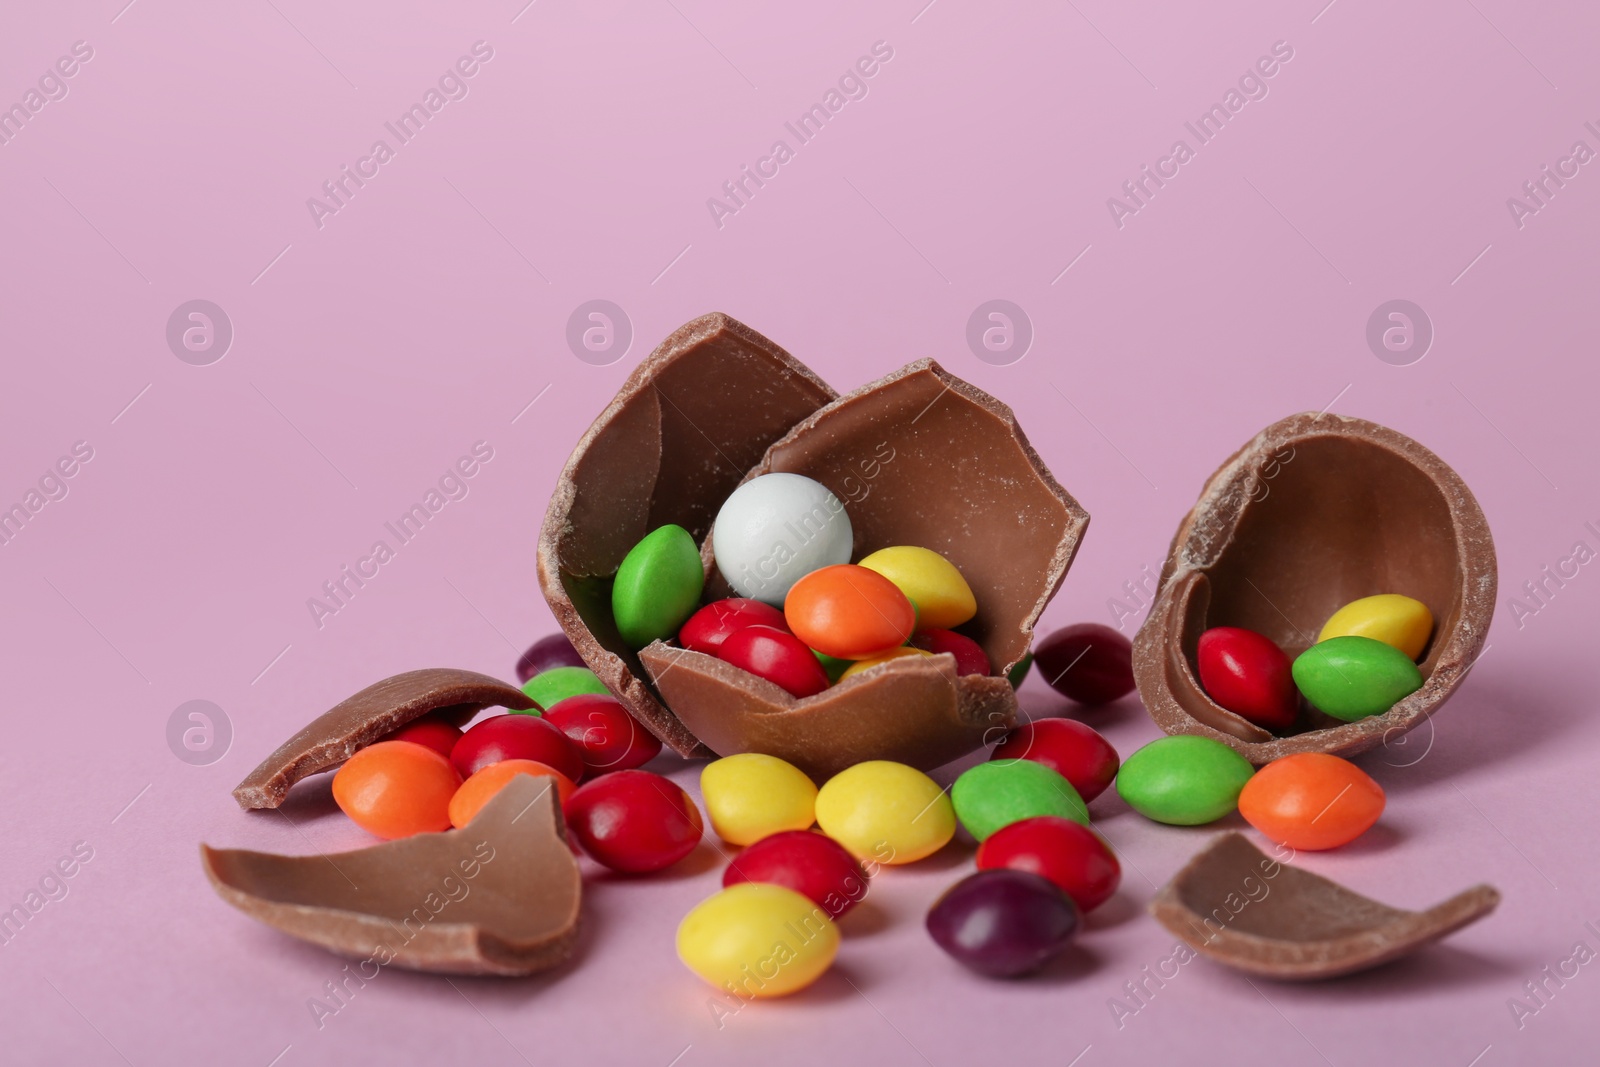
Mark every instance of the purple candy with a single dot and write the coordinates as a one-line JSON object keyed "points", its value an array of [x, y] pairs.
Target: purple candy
{"points": [[1003, 922], [547, 653]]}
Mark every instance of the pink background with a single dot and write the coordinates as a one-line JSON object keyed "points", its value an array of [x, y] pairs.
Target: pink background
{"points": [[428, 312]]}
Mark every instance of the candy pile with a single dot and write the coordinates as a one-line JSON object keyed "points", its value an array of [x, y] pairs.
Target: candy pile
{"points": [[1363, 662], [805, 617]]}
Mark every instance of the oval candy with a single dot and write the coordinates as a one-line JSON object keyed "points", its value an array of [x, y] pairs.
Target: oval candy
{"points": [[1391, 618], [886, 812], [849, 612], [1184, 780], [750, 796], [657, 586], [1001, 792], [942, 596], [1246, 673], [1352, 678], [1311, 801]]}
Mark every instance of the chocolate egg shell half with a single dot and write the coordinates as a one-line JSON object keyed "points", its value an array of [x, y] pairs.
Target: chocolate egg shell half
{"points": [[1318, 510], [917, 458], [500, 896]]}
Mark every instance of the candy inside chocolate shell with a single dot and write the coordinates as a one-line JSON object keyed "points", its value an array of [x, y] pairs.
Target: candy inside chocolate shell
{"points": [[1318, 510], [500, 896]]}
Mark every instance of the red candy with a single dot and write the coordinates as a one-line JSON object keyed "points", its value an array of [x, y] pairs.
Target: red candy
{"points": [[970, 657], [710, 626], [778, 656], [604, 734], [1069, 854], [516, 737], [428, 732], [812, 864], [634, 821], [1247, 674], [1088, 662], [1071, 749]]}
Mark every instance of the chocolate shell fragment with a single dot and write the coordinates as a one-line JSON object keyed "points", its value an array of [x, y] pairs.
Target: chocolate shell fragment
{"points": [[1238, 906], [1318, 510], [364, 718], [917, 458], [500, 896]]}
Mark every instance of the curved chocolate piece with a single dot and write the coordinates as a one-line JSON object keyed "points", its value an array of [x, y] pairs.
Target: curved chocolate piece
{"points": [[1238, 906], [686, 426], [1318, 510], [921, 457], [380, 708], [500, 896], [912, 710]]}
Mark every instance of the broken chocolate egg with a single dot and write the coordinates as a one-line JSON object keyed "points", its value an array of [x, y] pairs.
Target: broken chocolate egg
{"points": [[1315, 512], [1238, 906], [358, 721], [917, 458], [500, 896]]}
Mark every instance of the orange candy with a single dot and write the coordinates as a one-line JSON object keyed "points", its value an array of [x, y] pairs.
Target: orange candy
{"points": [[1311, 801], [849, 612], [396, 789], [477, 790]]}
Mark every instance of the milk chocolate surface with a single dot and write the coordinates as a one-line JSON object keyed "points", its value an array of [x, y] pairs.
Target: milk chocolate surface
{"points": [[687, 425], [500, 896], [1318, 510], [1240, 907], [362, 719], [913, 710]]}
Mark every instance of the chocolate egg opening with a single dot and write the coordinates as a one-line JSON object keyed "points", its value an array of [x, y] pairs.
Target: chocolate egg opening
{"points": [[1317, 511]]}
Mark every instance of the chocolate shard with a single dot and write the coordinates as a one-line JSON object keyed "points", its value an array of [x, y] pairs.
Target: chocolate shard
{"points": [[1305, 927], [1316, 511], [921, 457], [379, 709], [685, 428], [913, 710], [499, 897]]}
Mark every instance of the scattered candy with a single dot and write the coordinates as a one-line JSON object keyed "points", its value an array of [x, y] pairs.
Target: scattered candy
{"points": [[479, 789], [861, 665], [1351, 678], [395, 789], [750, 796], [1184, 780], [776, 528], [996, 794], [558, 683], [886, 812], [657, 586], [545, 654], [970, 657], [1247, 674], [757, 940], [1311, 801], [932, 582], [605, 735], [812, 864], [849, 612], [1003, 923], [1086, 662], [1071, 855], [1075, 751], [634, 821], [1388, 617], [428, 732], [516, 737], [710, 626], [778, 656]]}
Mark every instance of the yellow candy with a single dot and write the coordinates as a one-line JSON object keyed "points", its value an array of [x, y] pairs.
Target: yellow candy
{"points": [[894, 653], [1388, 617], [942, 596], [757, 940], [750, 796], [886, 812]]}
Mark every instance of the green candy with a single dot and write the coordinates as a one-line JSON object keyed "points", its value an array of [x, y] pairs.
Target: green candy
{"points": [[1020, 671], [657, 587], [998, 793], [831, 666], [558, 683], [1184, 780], [1352, 677]]}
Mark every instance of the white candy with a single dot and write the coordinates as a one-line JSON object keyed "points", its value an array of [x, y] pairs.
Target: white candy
{"points": [[775, 530]]}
